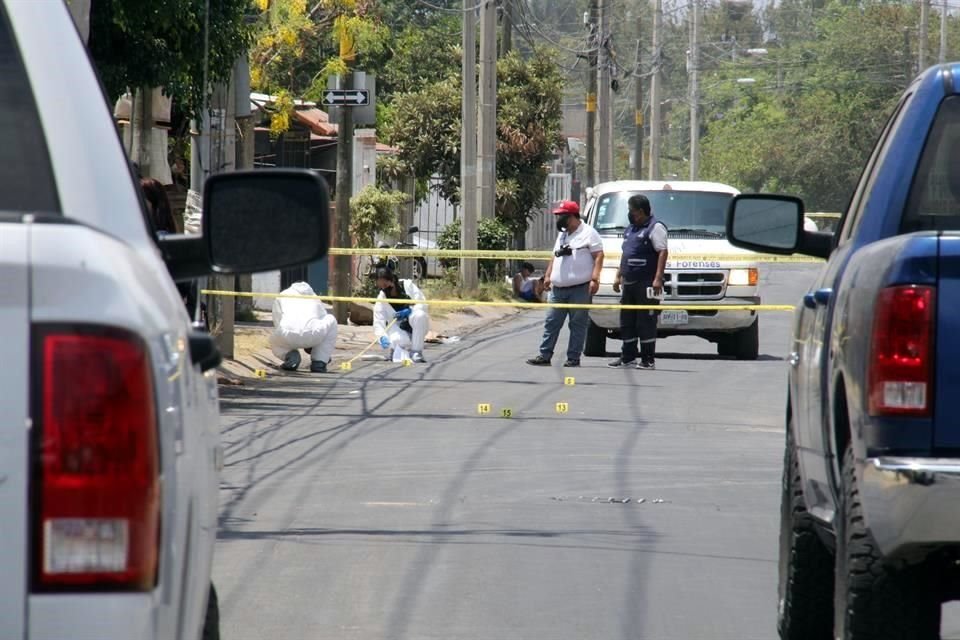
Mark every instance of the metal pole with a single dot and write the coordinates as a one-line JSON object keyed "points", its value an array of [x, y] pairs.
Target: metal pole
{"points": [[695, 90], [638, 109], [655, 94], [591, 177], [943, 33], [468, 149], [506, 44], [924, 26], [487, 130], [603, 93]]}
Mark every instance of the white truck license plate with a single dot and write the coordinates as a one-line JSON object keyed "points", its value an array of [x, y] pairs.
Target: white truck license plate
{"points": [[674, 317]]}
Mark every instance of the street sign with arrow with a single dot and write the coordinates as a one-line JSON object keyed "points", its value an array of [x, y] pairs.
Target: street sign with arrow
{"points": [[346, 97]]}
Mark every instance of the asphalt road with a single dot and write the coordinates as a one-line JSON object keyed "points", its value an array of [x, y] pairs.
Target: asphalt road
{"points": [[378, 504]]}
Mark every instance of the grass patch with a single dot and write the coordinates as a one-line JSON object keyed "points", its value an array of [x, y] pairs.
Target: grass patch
{"points": [[448, 289], [245, 315]]}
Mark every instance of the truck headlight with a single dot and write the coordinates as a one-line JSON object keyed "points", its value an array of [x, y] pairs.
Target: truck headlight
{"points": [[608, 275], [743, 277]]}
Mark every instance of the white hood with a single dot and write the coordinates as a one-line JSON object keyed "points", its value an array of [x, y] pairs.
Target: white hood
{"points": [[293, 314]]}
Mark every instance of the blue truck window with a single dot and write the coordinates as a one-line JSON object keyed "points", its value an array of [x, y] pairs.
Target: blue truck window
{"points": [[934, 202]]}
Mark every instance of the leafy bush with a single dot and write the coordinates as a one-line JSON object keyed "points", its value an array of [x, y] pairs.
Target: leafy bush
{"points": [[492, 235], [373, 212]]}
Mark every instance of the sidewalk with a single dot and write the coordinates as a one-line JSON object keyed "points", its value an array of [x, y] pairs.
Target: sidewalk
{"points": [[252, 352]]}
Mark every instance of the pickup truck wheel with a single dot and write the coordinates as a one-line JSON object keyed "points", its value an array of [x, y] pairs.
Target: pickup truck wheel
{"points": [[211, 623], [872, 599], [596, 346], [806, 565], [747, 342]]}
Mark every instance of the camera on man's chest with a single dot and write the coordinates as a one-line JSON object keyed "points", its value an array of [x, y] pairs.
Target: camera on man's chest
{"points": [[564, 250]]}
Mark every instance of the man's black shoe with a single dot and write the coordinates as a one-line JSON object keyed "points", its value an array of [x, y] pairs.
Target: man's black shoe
{"points": [[572, 363], [539, 361], [291, 361], [618, 363], [318, 367]]}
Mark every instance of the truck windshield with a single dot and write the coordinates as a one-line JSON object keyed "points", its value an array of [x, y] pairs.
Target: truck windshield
{"points": [[700, 212]]}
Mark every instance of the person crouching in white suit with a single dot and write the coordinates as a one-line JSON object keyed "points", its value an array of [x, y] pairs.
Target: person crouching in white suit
{"points": [[301, 323], [412, 322]]}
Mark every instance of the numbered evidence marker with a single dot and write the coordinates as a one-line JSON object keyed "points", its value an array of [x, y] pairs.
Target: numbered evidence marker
{"points": [[506, 413], [563, 407], [407, 362], [483, 408], [260, 373], [569, 381], [346, 366]]}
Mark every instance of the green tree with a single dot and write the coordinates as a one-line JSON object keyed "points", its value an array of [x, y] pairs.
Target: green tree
{"points": [[425, 125], [807, 123], [160, 43]]}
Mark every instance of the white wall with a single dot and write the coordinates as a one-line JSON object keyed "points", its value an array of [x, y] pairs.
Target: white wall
{"points": [[268, 282]]}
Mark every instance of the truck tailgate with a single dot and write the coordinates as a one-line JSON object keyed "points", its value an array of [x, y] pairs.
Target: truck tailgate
{"points": [[15, 374], [947, 401]]}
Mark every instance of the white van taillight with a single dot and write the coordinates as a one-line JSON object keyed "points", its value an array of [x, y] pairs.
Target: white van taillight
{"points": [[98, 465], [902, 353]]}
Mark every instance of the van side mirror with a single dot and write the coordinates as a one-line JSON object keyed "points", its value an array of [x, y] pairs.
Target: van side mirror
{"points": [[265, 219], [768, 223]]}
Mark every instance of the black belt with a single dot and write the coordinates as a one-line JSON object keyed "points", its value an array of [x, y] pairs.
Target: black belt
{"points": [[573, 286]]}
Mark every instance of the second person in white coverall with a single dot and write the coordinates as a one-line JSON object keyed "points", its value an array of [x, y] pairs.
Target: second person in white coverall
{"points": [[412, 322], [301, 323]]}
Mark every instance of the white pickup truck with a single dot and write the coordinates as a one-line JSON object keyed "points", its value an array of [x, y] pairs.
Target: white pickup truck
{"points": [[695, 216], [109, 434]]}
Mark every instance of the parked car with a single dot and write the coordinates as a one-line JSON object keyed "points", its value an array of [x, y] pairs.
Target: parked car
{"points": [[870, 509], [109, 433], [694, 213]]}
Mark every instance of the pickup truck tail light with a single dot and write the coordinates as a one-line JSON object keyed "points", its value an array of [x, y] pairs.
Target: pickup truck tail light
{"points": [[901, 363], [97, 465]]}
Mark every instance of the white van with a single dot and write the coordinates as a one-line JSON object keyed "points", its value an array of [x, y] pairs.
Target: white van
{"points": [[695, 216]]}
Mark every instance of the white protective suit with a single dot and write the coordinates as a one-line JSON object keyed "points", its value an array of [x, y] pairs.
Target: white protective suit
{"points": [[299, 323], [419, 321]]}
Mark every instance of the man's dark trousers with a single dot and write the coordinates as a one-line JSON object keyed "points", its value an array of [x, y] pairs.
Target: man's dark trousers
{"points": [[638, 328]]}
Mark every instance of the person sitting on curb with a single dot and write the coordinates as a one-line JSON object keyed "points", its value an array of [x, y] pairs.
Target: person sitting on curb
{"points": [[409, 331], [526, 286], [300, 323]]}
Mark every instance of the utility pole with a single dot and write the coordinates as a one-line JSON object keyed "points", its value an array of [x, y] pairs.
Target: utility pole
{"points": [[694, 89], [592, 97], [341, 264], [906, 51], [468, 150], [506, 43], [638, 108], [924, 26], [603, 91], [943, 33], [655, 93], [487, 131]]}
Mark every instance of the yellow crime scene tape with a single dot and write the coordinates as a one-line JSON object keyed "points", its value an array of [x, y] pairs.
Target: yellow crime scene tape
{"points": [[517, 304], [482, 254]]}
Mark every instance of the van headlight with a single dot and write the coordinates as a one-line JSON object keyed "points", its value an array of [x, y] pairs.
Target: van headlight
{"points": [[743, 277]]}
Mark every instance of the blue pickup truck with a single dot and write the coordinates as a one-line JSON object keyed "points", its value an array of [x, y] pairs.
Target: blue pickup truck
{"points": [[870, 515]]}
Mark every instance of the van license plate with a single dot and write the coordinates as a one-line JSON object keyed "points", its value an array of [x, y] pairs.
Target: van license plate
{"points": [[674, 317]]}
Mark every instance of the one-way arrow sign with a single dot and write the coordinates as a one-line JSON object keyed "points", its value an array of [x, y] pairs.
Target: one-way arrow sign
{"points": [[346, 97]]}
